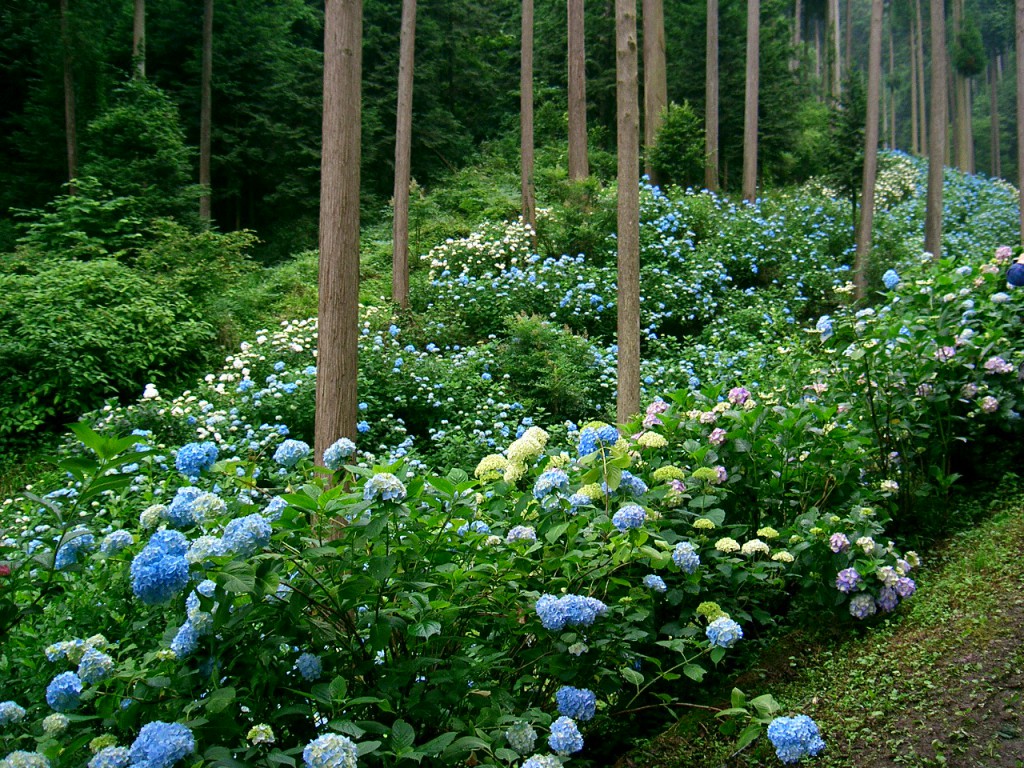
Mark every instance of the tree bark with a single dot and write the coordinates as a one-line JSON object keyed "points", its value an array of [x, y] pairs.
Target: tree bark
{"points": [[711, 99], [205, 117], [628, 229], [937, 133], [338, 357], [862, 260], [995, 155], [915, 125], [750, 105], [922, 95], [848, 42], [579, 167], [887, 91], [139, 38], [655, 82], [70, 123], [403, 157], [794, 62], [1019, 36], [526, 116], [832, 45]]}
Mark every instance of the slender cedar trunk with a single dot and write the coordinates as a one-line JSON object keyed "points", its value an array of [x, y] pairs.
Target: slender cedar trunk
{"points": [[205, 117], [915, 146], [922, 95], [883, 119], [862, 261], [794, 62], [578, 165], [1019, 25], [711, 99], [937, 133], [969, 123], [139, 38], [338, 358], [995, 156], [848, 52], [837, 69], [526, 116], [817, 54], [750, 105], [655, 82], [403, 157], [960, 117], [891, 94], [70, 123], [628, 231]]}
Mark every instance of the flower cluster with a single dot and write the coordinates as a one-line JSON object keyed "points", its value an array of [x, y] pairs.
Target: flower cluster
{"points": [[568, 610], [161, 745], [332, 750], [577, 703], [193, 458], [723, 632], [795, 738], [160, 570]]}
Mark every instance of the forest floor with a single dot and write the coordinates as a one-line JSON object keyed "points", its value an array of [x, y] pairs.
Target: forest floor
{"points": [[941, 683]]}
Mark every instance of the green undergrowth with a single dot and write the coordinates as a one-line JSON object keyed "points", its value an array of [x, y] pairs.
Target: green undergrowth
{"points": [[939, 683]]}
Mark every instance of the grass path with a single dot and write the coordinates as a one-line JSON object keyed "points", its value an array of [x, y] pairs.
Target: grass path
{"points": [[939, 684]]}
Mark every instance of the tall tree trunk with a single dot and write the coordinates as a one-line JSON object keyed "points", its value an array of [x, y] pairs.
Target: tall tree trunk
{"points": [[205, 117], [833, 53], [711, 99], [915, 125], [338, 356], [139, 38], [1019, 25], [403, 155], [655, 78], [750, 104], [937, 133], [579, 168], [817, 56], [526, 116], [794, 62], [862, 261], [961, 117], [628, 228], [887, 90], [70, 123], [922, 95], [995, 155], [848, 52]]}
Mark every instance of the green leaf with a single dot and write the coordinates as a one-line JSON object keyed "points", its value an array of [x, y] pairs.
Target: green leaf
{"points": [[695, 672], [219, 699], [717, 654], [748, 735], [425, 629], [766, 705], [631, 675], [236, 577], [280, 758], [347, 727], [440, 744], [738, 699], [338, 688], [402, 736], [556, 532], [613, 476], [367, 747]]}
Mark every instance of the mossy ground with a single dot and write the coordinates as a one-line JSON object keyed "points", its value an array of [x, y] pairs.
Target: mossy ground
{"points": [[941, 683]]}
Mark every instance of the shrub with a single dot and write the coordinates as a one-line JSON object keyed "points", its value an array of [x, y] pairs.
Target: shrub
{"points": [[677, 156]]}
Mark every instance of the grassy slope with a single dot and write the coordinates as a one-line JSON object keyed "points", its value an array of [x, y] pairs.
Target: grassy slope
{"points": [[941, 683]]}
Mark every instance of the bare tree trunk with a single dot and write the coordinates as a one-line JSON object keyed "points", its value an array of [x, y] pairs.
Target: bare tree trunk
{"points": [[834, 52], [70, 123], [922, 95], [655, 82], [995, 155], [969, 123], [889, 91], [628, 237], [961, 145], [526, 116], [915, 125], [937, 133], [848, 53], [750, 105], [711, 99], [862, 260], [579, 167], [794, 63], [1019, 25], [205, 117], [139, 38], [338, 356], [403, 157]]}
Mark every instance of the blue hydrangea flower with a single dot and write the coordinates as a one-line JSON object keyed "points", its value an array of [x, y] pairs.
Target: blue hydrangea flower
{"points": [[291, 452], [476, 526], [95, 666], [203, 549], [521, 737], [247, 535], [654, 582], [686, 557], [608, 434], [115, 542], [78, 541], [795, 738], [161, 745], [169, 542], [723, 632], [549, 481], [111, 757], [577, 703], [185, 641], [887, 599], [64, 692], [565, 737], [193, 458], [578, 500], [332, 750], [542, 761], [337, 452], [521, 533], [11, 712], [905, 586], [386, 486], [568, 610], [274, 508], [824, 327], [22, 759], [628, 517], [309, 666], [890, 279], [847, 580], [179, 511], [632, 484], [207, 507], [862, 606], [157, 575]]}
